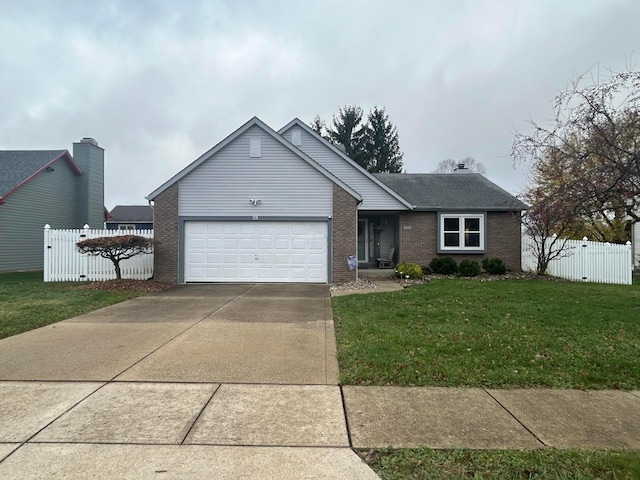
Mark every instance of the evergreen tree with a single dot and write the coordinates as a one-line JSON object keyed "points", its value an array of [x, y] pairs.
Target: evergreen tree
{"points": [[374, 145], [382, 148], [348, 131]]}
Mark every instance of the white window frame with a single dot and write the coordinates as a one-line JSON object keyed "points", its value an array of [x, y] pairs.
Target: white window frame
{"points": [[126, 226], [461, 248]]}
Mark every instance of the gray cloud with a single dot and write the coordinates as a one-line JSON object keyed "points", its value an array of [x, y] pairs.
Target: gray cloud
{"points": [[157, 83]]}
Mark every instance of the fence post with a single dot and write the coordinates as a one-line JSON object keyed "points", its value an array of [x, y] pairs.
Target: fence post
{"points": [[629, 279], [47, 253], [84, 262], [584, 259]]}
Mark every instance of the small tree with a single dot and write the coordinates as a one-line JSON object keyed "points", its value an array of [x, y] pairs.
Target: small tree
{"points": [[116, 248], [547, 221]]}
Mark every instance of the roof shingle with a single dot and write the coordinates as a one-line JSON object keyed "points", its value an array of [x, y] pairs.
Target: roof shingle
{"points": [[16, 166], [451, 191]]}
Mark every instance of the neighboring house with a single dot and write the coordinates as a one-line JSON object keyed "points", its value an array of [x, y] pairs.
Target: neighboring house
{"points": [[287, 206], [39, 187], [130, 217]]}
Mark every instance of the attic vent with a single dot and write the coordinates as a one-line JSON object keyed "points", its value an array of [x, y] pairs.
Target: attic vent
{"points": [[296, 137], [90, 140], [255, 147]]}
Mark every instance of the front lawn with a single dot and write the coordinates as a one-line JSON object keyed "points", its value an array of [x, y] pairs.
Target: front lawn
{"points": [[499, 334], [541, 464], [26, 302]]}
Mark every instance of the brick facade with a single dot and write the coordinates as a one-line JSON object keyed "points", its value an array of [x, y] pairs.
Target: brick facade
{"points": [[166, 243], [344, 238], [504, 238], [419, 239]]}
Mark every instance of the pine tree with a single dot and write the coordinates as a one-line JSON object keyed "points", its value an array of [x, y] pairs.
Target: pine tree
{"points": [[383, 150]]}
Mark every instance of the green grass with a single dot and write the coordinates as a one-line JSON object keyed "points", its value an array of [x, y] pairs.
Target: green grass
{"points": [[26, 302], [503, 334], [500, 464]]}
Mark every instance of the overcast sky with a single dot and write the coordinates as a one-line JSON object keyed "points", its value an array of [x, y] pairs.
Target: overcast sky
{"points": [[158, 83]]}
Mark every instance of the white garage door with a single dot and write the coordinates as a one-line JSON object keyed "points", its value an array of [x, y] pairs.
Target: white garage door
{"points": [[256, 252]]}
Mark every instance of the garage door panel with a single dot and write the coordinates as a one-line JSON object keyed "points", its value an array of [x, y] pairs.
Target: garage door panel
{"points": [[256, 251]]}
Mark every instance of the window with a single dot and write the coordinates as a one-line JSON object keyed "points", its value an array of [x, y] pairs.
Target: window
{"points": [[126, 226], [461, 233]]}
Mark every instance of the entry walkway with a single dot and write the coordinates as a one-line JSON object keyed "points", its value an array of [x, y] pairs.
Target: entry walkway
{"points": [[241, 381]]}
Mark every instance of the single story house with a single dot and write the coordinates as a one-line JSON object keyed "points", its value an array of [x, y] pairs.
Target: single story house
{"points": [[288, 206], [130, 217], [39, 187]]}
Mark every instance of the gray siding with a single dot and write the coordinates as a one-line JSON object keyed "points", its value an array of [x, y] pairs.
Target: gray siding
{"points": [[374, 196], [90, 159], [285, 184], [50, 198]]}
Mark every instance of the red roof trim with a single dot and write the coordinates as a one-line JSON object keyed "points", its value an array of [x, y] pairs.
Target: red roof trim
{"points": [[72, 163]]}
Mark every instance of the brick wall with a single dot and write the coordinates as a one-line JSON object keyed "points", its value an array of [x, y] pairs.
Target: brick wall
{"points": [[419, 243], [165, 224], [418, 236], [504, 238], [344, 240]]}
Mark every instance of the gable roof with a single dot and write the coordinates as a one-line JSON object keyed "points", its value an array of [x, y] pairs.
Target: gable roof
{"points": [[17, 167], [255, 121], [451, 191], [131, 213], [297, 122]]}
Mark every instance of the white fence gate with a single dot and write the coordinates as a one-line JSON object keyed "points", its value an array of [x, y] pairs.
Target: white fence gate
{"points": [[63, 262], [585, 261]]}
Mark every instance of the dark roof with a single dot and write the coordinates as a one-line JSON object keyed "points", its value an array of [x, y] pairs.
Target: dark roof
{"points": [[451, 191], [131, 214], [18, 166]]}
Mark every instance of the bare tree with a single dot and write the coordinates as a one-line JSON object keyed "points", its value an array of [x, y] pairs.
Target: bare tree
{"points": [[547, 222], [450, 165], [594, 139]]}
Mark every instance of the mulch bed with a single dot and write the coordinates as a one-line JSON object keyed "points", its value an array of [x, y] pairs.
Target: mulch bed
{"points": [[127, 284]]}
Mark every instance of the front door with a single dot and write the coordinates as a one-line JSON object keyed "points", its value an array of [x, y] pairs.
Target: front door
{"points": [[363, 241]]}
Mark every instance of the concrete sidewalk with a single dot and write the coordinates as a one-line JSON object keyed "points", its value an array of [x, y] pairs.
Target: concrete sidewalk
{"points": [[238, 381]]}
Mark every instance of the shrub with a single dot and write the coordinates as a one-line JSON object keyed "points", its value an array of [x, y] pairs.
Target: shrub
{"points": [[409, 269], [494, 266], [443, 265], [426, 270], [469, 268]]}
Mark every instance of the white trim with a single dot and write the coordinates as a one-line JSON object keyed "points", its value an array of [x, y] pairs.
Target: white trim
{"points": [[460, 247]]}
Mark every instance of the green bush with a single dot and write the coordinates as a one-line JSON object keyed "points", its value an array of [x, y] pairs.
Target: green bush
{"points": [[494, 266], [469, 268], [409, 269], [443, 266]]}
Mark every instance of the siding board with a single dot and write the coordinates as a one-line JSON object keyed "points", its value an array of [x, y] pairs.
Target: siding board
{"points": [[285, 184], [374, 196], [48, 198]]}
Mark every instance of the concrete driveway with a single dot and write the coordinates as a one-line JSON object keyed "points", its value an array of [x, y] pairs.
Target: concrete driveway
{"points": [[203, 381], [201, 333]]}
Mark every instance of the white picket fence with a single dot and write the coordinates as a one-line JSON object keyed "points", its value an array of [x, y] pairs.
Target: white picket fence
{"points": [[585, 261], [63, 262]]}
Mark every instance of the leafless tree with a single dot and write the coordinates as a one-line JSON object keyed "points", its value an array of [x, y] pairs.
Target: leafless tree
{"points": [[450, 165]]}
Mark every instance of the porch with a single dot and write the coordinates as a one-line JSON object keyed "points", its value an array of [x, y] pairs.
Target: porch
{"points": [[377, 233]]}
